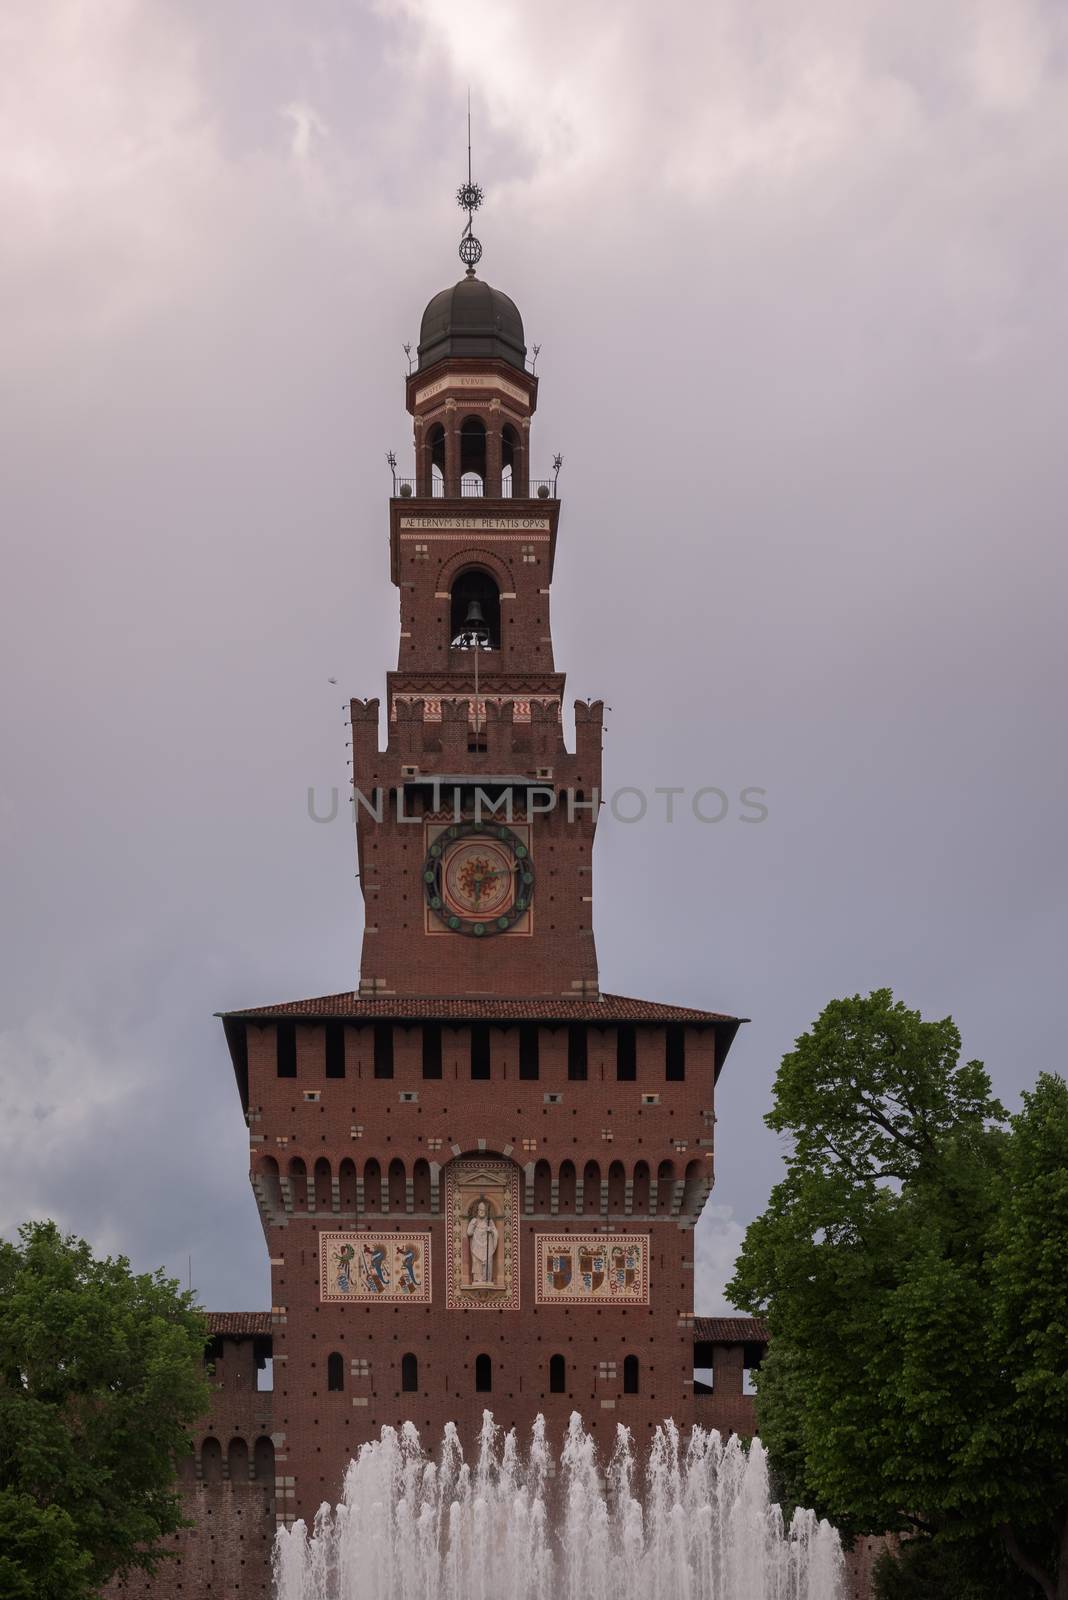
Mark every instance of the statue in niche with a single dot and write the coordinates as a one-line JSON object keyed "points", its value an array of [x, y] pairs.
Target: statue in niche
{"points": [[482, 1240]]}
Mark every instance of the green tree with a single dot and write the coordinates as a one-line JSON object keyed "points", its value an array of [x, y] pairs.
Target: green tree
{"points": [[101, 1371], [913, 1266]]}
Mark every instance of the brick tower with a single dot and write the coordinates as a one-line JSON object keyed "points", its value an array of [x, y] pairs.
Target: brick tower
{"points": [[478, 1175]]}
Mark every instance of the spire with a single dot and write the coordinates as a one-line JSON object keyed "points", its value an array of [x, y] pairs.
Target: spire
{"points": [[469, 198]]}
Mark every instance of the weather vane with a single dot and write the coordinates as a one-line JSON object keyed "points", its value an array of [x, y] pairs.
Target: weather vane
{"points": [[469, 198]]}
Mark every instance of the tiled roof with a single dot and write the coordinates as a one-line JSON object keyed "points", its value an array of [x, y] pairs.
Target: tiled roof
{"points": [[238, 1324], [731, 1330], [610, 1008]]}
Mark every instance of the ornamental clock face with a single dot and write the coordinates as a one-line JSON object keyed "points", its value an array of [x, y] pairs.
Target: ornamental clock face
{"points": [[478, 878]]}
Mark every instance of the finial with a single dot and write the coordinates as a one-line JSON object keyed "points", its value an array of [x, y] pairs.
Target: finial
{"points": [[469, 198]]}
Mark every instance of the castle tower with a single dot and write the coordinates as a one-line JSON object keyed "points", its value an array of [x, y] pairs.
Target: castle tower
{"points": [[478, 1174], [475, 782]]}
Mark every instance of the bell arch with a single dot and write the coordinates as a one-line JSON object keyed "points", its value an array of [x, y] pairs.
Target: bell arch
{"points": [[475, 609]]}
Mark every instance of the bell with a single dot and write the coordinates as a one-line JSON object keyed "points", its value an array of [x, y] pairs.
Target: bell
{"points": [[474, 635]]}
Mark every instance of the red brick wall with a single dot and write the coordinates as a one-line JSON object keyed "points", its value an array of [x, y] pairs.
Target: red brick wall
{"points": [[361, 1120], [557, 956], [226, 1551]]}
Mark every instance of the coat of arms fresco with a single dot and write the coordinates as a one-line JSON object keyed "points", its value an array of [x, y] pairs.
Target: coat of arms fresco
{"points": [[591, 1269], [392, 1268], [482, 1206]]}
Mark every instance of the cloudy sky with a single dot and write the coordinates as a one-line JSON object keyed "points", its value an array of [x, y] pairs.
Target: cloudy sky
{"points": [[798, 277]]}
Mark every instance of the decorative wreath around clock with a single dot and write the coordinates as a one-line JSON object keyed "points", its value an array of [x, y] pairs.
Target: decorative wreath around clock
{"points": [[478, 878]]}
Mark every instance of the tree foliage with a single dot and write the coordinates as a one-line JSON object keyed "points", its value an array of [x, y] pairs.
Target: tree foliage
{"points": [[913, 1266], [101, 1371]]}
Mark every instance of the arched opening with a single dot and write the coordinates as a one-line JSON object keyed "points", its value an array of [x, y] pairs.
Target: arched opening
{"points": [[510, 473], [409, 1373], [543, 1187], [630, 1375], [567, 1187], [483, 1375], [298, 1182], [472, 456], [347, 1184], [372, 1186], [421, 1185], [435, 448], [693, 1187], [665, 1187], [617, 1186], [211, 1461], [641, 1187], [335, 1372], [323, 1194], [263, 1460], [591, 1189], [237, 1462], [272, 1188], [475, 612], [396, 1184], [557, 1375]]}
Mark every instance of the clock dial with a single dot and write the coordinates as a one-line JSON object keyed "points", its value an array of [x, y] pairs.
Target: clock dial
{"points": [[478, 878]]}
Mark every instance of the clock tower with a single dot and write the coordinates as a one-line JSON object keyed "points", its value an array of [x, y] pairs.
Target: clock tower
{"points": [[478, 1174], [475, 824]]}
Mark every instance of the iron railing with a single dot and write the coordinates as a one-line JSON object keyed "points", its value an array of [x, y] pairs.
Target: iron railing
{"points": [[471, 486]]}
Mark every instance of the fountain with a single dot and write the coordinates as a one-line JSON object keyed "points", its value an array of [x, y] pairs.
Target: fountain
{"points": [[411, 1528]]}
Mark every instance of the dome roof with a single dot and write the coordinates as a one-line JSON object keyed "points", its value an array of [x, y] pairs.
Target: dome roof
{"points": [[471, 319]]}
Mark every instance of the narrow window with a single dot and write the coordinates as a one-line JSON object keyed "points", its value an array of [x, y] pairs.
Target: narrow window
{"points": [[528, 1050], [576, 1051], [335, 1049], [626, 1053], [431, 1049], [335, 1372], [675, 1053], [383, 1050], [557, 1375], [409, 1373], [630, 1375], [480, 1050], [286, 1049], [483, 1375]]}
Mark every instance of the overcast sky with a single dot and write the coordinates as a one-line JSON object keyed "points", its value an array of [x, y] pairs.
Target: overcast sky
{"points": [[798, 276]]}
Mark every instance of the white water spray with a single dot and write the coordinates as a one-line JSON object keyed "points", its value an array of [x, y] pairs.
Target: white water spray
{"points": [[409, 1528]]}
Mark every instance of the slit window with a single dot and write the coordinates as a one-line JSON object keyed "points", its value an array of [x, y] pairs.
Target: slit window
{"points": [[557, 1375], [626, 1053], [630, 1375], [480, 1051], [528, 1050], [409, 1373], [335, 1372], [576, 1051], [383, 1050], [286, 1050], [431, 1049], [483, 1375]]}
